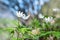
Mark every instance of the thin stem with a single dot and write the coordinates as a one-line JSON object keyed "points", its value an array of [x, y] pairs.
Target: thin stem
{"points": [[17, 34]]}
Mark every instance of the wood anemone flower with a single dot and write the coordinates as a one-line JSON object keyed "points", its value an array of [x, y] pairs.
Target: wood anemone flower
{"points": [[23, 16]]}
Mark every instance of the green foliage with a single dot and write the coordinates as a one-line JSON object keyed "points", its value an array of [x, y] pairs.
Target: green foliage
{"points": [[45, 29], [35, 23]]}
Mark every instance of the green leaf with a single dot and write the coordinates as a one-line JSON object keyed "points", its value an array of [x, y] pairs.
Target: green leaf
{"points": [[9, 29]]}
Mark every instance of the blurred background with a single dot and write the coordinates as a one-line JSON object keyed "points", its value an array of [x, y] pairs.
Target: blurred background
{"points": [[8, 9]]}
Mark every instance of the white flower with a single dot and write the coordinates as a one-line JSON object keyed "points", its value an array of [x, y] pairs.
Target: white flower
{"points": [[26, 17], [56, 9], [19, 14], [23, 16], [40, 16], [49, 19]]}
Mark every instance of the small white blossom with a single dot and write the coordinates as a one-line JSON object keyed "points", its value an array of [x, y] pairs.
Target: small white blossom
{"points": [[26, 17], [49, 19], [23, 16], [19, 14], [56, 9], [40, 16]]}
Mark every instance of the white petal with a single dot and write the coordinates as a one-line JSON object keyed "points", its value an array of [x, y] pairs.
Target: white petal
{"points": [[25, 18], [40, 16], [18, 14]]}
